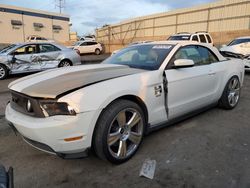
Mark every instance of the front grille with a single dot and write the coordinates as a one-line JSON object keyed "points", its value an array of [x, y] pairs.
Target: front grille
{"points": [[19, 103]]}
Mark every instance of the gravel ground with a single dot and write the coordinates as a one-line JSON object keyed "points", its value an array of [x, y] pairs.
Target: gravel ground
{"points": [[209, 150]]}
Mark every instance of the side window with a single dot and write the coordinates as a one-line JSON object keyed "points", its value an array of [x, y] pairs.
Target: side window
{"points": [[202, 39], [200, 55], [208, 38], [43, 48], [38, 38], [195, 38], [28, 49], [90, 43], [84, 44], [206, 56]]}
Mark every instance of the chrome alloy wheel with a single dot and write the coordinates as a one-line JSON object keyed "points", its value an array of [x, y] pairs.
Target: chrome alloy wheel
{"points": [[125, 133], [2, 72], [234, 92]]}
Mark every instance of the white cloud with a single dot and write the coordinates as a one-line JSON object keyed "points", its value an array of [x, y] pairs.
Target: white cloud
{"points": [[87, 16]]}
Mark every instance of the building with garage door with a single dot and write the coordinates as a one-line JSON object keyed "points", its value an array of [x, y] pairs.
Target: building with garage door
{"points": [[17, 24]]}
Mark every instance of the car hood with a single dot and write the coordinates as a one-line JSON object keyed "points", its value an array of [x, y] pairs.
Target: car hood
{"points": [[57, 82], [234, 49]]}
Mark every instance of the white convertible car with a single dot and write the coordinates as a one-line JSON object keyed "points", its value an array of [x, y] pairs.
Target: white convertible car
{"points": [[111, 106]]}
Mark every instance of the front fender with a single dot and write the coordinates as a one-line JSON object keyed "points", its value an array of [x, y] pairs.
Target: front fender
{"points": [[99, 95]]}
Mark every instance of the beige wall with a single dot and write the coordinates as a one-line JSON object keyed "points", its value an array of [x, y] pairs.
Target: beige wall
{"points": [[225, 18], [10, 34]]}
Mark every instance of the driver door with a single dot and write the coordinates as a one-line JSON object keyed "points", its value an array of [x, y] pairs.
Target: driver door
{"points": [[189, 88], [24, 60]]}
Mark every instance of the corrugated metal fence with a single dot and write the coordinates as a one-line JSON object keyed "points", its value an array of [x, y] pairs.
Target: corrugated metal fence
{"points": [[224, 20]]}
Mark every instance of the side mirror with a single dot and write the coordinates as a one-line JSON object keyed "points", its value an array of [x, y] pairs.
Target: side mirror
{"points": [[183, 63]]}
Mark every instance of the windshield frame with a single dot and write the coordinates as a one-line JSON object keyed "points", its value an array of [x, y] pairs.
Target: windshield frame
{"points": [[8, 48]]}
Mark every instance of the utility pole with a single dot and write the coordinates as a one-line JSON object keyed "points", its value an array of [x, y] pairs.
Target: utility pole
{"points": [[60, 4]]}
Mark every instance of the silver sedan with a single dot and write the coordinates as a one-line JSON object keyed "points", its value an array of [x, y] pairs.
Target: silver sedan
{"points": [[33, 57]]}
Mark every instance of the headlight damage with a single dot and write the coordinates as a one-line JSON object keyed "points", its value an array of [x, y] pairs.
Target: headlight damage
{"points": [[38, 107], [52, 108]]}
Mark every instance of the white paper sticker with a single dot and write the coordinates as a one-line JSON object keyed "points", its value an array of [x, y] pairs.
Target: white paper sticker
{"points": [[148, 169], [162, 46]]}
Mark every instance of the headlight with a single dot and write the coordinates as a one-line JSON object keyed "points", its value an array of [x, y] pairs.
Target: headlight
{"points": [[53, 108]]}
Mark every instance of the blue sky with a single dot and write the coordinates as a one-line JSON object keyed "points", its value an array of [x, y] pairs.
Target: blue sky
{"points": [[88, 15]]}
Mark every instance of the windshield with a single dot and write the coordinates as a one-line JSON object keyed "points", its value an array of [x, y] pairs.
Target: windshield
{"points": [[6, 49], [77, 43], [179, 37], [149, 56], [238, 41]]}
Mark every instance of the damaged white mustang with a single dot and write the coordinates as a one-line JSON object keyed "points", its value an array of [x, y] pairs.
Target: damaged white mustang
{"points": [[33, 57], [111, 106]]}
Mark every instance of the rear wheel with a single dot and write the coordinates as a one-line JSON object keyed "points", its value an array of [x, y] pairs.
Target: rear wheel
{"points": [[3, 72], [97, 51], [231, 94], [119, 131], [65, 63]]}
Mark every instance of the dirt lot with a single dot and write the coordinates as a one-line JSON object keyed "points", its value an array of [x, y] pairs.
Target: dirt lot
{"points": [[208, 150]]}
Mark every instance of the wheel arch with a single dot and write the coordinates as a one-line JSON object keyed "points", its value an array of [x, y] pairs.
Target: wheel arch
{"points": [[7, 71], [66, 59], [8, 68], [138, 101], [129, 97], [226, 81]]}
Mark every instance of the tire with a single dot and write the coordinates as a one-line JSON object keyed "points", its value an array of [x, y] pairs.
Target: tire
{"points": [[3, 72], [119, 131], [231, 94], [3, 177], [65, 63], [97, 51]]}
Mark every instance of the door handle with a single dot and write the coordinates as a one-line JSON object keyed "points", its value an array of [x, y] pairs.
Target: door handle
{"points": [[211, 73]]}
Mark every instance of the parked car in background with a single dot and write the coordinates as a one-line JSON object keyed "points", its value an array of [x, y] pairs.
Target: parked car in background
{"points": [[110, 106], [33, 57], [202, 37], [88, 47], [238, 48], [87, 38], [35, 38]]}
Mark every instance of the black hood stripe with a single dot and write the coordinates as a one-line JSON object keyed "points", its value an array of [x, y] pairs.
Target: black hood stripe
{"points": [[69, 82]]}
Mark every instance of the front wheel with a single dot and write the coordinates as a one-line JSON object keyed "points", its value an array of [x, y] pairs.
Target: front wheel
{"points": [[3, 72], [119, 131], [231, 94]]}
